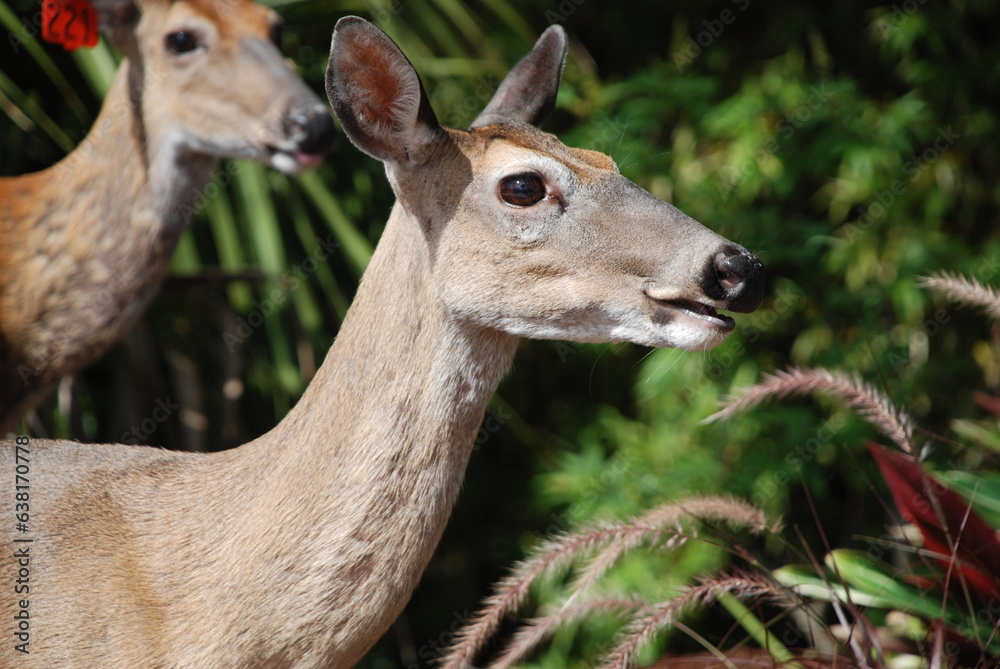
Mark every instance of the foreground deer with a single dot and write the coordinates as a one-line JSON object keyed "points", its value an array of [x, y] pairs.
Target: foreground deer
{"points": [[300, 548], [85, 244]]}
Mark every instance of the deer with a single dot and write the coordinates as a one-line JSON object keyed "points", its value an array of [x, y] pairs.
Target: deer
{"points": [[85, 244], [300, 548]]}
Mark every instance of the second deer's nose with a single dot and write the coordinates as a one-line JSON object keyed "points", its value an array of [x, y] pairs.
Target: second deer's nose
{"points": [[314, 128]]}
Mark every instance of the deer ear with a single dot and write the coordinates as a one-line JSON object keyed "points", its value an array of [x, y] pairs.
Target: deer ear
{"points": [[117, 19], [377, 95], [528, 92]]}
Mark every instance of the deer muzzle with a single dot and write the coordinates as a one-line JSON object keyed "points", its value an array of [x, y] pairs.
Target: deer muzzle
{"points": [[732, 279]]}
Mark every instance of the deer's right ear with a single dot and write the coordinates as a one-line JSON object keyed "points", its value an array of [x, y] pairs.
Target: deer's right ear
{"points": [[117, 19], [377, 95]]}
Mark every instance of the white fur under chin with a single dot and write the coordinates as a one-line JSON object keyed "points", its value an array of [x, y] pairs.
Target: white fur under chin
{"points": [[639, 331]]}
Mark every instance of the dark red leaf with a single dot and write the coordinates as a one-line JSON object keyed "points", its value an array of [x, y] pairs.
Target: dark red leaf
{"points": [[916, 495], [988, 402]]}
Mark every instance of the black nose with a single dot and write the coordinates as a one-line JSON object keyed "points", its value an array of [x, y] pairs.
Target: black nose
{"points": [[736, 276], [313, 127]]}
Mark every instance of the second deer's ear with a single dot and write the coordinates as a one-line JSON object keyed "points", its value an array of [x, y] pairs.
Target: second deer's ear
{"points": [[377, 95], [117, 20], [528, 92]]}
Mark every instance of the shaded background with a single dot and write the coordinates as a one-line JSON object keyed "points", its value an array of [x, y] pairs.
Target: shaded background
{"points": [[853, 145]]}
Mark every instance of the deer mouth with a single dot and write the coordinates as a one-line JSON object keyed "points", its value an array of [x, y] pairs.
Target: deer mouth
{"points": [[307, 160], [293, 161], [699, 311]]}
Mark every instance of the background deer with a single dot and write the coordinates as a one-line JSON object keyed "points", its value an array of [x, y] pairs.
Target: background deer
{"points": [[85, 244], [301, 547]]}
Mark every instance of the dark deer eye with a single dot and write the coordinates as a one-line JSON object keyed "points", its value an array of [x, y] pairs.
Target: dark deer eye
{"points": [[181, 41], [522, 190]]}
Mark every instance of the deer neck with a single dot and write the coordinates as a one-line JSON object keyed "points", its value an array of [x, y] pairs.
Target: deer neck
{"points": [[98, 231], [125, 155], [378, 445]]}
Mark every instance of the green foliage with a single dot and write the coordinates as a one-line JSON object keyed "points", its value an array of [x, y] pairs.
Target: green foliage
{"points": [[936, 604], [852, 174]]}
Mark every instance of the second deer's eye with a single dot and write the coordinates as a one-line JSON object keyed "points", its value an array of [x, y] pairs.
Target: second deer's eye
{"points": [[181, 41], [522, 190]]}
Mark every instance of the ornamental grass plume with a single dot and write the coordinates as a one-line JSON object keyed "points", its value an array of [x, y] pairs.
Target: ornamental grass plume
{"points": [[869, 402], [599, 546], [964, 290]]}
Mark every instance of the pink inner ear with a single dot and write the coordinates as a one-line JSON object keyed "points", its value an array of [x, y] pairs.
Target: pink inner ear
{"points": [[371, 78]]}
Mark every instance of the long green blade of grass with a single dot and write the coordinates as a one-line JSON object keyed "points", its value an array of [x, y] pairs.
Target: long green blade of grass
{"points": [[357, 249], [509, 15], [262, 225], [229, 247], [13, 100], [758, 630], [98, 66], [982, 489], [323, 272]]}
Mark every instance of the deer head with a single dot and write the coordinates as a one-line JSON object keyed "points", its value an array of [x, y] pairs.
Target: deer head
{"points": [[210, 76], [527, 235]]}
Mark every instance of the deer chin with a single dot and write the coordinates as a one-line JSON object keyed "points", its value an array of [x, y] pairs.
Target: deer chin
{"points": [[687, 324], [678, 326]]}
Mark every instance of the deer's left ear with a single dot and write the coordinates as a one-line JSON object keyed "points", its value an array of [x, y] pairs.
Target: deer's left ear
{"points": [[528, 92]]}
